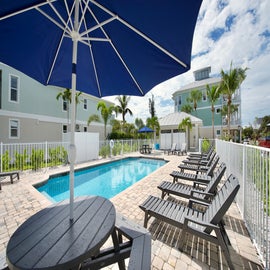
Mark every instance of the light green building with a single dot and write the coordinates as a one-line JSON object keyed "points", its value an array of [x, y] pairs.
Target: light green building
{"points": [[30, 112], [202, 78]]}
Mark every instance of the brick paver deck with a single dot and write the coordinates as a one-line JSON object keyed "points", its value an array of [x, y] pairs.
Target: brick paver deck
{"points": [[20, 200]]}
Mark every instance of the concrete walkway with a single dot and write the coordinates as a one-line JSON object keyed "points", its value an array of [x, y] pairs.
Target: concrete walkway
{"points": [[20, 200]]}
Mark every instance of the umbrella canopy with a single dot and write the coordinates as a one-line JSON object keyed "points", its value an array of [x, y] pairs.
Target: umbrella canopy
{"points": [[101, 47], [145, 129]]}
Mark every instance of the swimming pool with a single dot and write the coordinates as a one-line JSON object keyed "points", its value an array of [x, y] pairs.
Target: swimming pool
{"points": [[106, 180]]}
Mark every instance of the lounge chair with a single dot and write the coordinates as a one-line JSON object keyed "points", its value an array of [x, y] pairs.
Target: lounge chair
{"points": [[12, 175], [196, 222], [203, 161], [183, 149], [197, 191], [172, 150], [201, 155], [203, 177], [199, 158], [197, 167]]}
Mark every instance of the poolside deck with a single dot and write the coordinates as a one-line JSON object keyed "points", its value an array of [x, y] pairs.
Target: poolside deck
{"points": [[20, 200]]}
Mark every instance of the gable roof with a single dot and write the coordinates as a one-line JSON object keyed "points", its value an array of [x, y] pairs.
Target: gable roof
{"points": [[174, 119]]}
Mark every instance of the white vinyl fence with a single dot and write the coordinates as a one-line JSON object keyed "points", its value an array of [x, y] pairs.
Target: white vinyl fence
{"points": [[251, 164], [35, 156], [26, 156]]}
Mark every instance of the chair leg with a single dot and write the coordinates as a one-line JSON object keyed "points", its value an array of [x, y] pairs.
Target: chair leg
{"points": [[182, 237], [224, 248], [146, 218]]}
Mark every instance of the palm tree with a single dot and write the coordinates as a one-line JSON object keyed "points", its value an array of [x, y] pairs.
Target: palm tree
{"points": [[230, 82], [66, 96], [139, 123], [187, 108], [106, 113], [123, 107], [93, 118], [187, 126], [195, 96], [153, 124], [213, 95], [152, 106]]}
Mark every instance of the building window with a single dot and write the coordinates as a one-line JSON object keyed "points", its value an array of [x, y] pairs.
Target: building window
{"points": [[13, 88], [218, 132], [179, 100], [218, 110], [14, 126], [204, 96], [85, 104], [65, 105], [64, 129], [85, 129]]}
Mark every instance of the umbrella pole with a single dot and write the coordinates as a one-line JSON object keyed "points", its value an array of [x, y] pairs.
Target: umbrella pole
{"points": [[72, 147]]}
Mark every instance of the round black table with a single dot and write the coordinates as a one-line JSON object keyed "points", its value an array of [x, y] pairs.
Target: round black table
{"points": [[50, 240]]}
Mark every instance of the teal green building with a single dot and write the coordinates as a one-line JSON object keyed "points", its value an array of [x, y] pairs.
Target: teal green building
{"points": [[201, 80]]}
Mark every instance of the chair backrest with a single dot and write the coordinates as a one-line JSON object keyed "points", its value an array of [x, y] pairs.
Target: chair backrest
{"points": [[210, 160], [212, 166], [173, 147], [209, 153], [221, 202], [183, 147], [212, 186]]}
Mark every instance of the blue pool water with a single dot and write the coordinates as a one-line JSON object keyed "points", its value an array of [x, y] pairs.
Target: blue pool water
{"points": [[106, 180]]}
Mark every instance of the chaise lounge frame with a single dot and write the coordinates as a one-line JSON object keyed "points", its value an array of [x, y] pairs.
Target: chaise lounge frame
{"points": [[193, 221]]}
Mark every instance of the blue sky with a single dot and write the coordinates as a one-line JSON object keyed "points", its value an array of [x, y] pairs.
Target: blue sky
{"points": [[226, 31]]}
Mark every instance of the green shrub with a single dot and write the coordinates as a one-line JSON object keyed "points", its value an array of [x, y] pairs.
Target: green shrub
{"points": [[21, 160], [58, 155], [5, 159], [37, 157], [205, 145], [104, 151]]}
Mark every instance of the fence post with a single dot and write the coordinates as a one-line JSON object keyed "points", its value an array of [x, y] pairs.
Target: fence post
{"points": [[1, 155], [244, 173], [46, 154]]}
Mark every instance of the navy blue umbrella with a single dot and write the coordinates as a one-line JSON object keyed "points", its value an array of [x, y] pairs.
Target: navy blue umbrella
{"points": [[145, 129], [101, 47]]}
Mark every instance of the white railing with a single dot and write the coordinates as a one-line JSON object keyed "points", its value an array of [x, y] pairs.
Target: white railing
{"points": [[121, 147], [251, 164], [32, 156], [35, 156]]}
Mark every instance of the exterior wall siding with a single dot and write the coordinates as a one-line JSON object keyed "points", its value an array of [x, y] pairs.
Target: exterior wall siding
{"points": [[41, 116]]}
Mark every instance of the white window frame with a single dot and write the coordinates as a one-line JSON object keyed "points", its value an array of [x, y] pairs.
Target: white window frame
{"points": [[10, 128], [18, 88], [85, 104]]}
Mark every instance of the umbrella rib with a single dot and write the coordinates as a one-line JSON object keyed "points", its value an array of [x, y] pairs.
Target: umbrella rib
{"points": [[93, 60], [141, 34], [61, 40], [118, 54], [55, 57], [51, 19], [26, 9]]}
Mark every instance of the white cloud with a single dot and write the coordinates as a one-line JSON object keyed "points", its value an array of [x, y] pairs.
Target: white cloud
{"points": [[243, 43]]}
